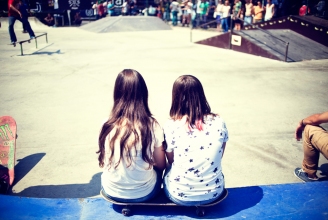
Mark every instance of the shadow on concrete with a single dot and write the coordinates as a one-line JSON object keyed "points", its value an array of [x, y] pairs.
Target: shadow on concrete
{"points": [[39, 51], [25, 165], [323, 172], [45, 52], [64, 191], [238, 199]]}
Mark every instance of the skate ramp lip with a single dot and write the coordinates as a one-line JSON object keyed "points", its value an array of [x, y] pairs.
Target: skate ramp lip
{"points": [[126, 24], [34, 22], [314, 20], [255, 202]]}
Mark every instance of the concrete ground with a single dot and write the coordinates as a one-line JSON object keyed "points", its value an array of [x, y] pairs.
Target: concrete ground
{"points": [[61, 93]]}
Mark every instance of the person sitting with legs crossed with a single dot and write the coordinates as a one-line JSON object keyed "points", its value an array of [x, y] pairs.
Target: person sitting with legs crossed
{"points": [[315, 141]]}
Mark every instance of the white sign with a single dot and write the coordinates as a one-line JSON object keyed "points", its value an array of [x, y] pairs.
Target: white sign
{"points": [[74, 4], [236, 40], [118, 2], [38, 7], [89, 12]]}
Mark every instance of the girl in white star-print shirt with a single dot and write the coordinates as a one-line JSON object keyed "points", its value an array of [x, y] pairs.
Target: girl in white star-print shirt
{"points": [[195, 139]]}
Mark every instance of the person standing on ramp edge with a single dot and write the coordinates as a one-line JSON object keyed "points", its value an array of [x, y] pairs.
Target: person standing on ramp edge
{"points": [[13, 15]]}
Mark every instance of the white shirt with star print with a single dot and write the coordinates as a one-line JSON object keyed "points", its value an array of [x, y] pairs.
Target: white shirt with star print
{"points": [[196, 173]]}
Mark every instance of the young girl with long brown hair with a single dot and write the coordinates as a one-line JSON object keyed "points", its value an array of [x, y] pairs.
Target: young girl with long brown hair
{"points": [[130, 144], [196, 139]]}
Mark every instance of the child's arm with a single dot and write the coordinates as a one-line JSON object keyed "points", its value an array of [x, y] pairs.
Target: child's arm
{"points": [[159, 158]]}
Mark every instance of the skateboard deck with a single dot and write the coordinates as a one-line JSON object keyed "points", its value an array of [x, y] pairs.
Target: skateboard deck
{"points": [[7, 152], [162, 200]]}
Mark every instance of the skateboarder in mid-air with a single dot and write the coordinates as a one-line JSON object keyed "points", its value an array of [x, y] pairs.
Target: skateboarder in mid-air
{"points": [[13, 15]]}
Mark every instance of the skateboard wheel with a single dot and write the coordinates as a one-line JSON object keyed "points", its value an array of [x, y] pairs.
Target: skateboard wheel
{"points": [[200, 211], [126, 211]]}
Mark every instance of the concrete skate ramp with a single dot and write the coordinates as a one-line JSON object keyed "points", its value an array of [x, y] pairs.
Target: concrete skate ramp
{"points": [[307, 38], [300, 48], [126, 24], [34, 22]]}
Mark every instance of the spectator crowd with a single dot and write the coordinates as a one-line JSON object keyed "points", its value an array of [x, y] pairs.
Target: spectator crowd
{"points": [[218, 14], [197, 13]]}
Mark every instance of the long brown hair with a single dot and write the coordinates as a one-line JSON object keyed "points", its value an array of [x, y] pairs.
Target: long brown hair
{"points": [[131, 118], [188, 98]]}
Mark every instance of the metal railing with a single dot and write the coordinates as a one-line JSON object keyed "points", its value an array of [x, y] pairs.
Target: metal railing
{"points": [[265, 31], [201, 25], [29, 41]]}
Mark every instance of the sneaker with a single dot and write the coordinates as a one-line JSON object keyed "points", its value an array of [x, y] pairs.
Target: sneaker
{"points": [[33, 37], [302, 175]]}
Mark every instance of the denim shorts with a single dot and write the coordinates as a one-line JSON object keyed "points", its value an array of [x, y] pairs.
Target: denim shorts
{"points": [[152, 194]]}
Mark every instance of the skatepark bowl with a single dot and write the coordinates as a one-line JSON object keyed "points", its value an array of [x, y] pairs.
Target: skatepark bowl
{"points": [[61, 92]]}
